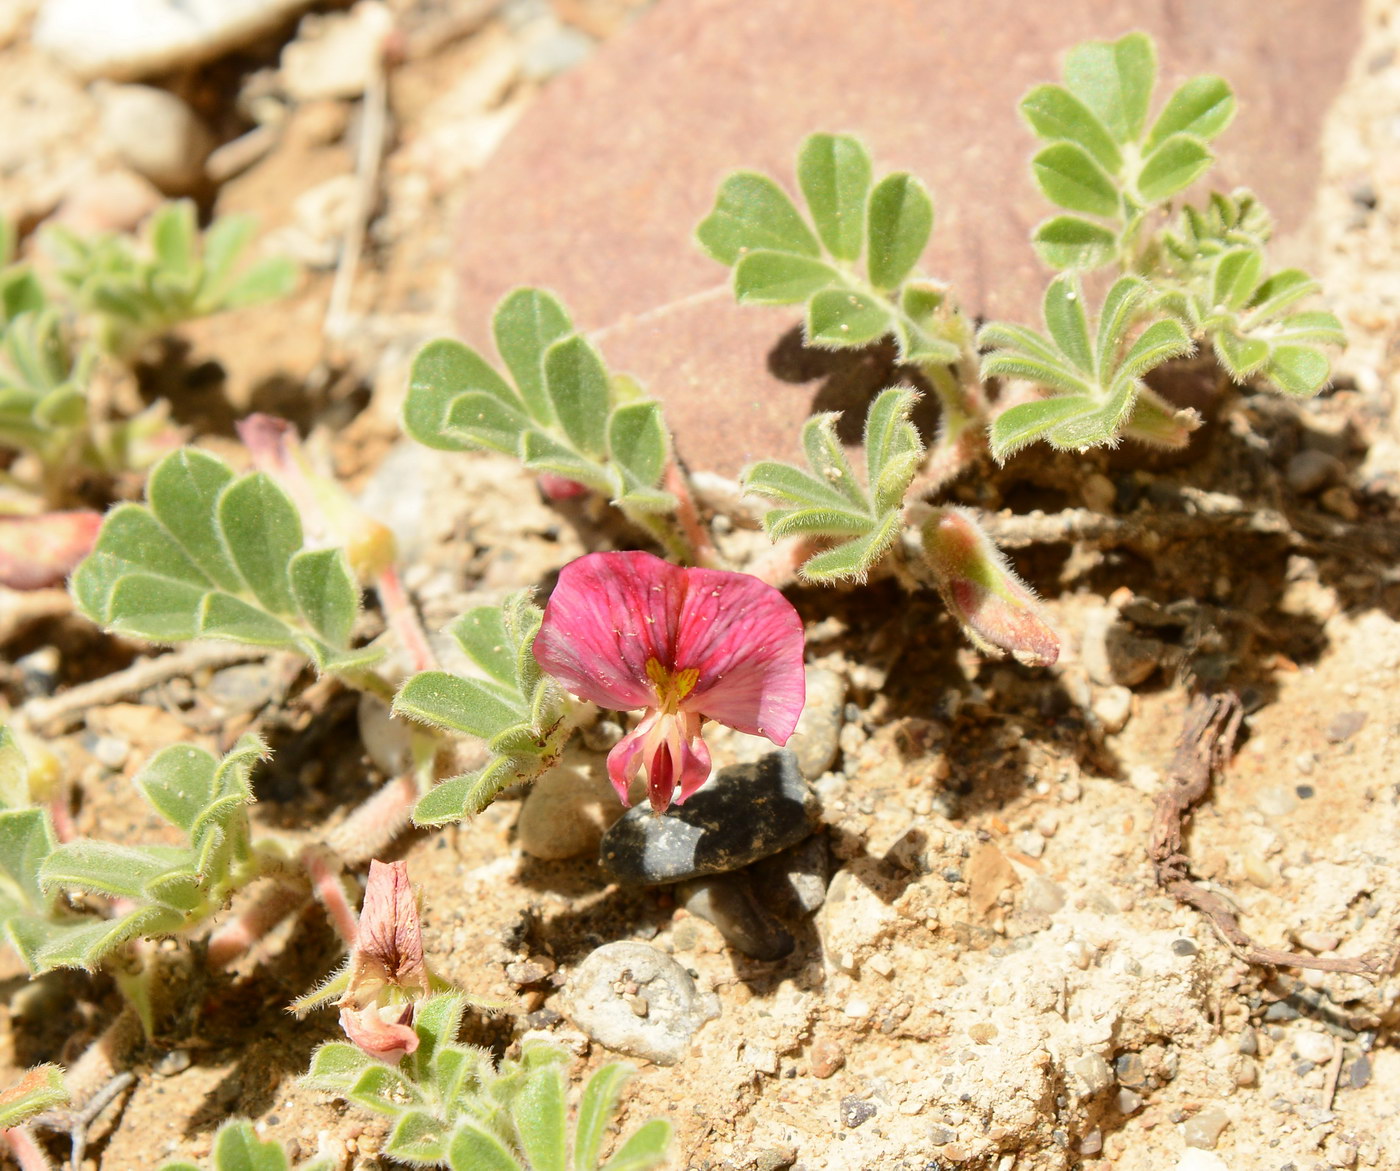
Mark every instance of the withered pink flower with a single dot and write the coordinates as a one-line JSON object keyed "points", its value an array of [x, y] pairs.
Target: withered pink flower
{"points": [[40, 551], [387, 972], [628, 630], [996, 609]]}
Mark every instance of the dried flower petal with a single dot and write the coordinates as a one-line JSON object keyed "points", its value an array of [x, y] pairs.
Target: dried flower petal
{"points": [[628, 630]]}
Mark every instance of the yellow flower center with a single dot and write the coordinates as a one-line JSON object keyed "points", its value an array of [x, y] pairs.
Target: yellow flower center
{"points": [[671, 689]]}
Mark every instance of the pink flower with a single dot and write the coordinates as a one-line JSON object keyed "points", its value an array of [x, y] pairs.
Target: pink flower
{"points": [[628, 630], [387, 971]]}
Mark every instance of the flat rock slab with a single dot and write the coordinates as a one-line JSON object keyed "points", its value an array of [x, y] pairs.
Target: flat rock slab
{"points": [[596, 193], [745, 812]]}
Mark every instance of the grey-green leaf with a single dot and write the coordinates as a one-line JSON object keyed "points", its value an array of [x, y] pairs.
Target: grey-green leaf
{"points": [[577, 382], [481, 634], [834, 173], [442, 371], [527, 322], [637, 441], [595, 1111], [1068, 176], [326, 593], [1115, 80], [1177, 163], [1070, 242], [540, 1121], [1300, 370], [262, 531], [1057, 115], [1067, 323], [852, 560], [780, 278], [900, 221], [752, 212], [1201, 107], [474, 1148], [645, 1148], [463, 705], [182, 491], [840, 318]]}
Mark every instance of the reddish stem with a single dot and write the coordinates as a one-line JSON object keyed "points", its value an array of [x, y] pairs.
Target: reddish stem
{"points": [[404, 621], [232, 939], [327, 887], [28, 1154], [688, 515]]}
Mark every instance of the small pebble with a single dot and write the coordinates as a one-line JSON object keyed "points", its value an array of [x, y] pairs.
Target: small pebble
{"points": [[856, 1008], [1130, 1070], [1359, 1075], [1344, 725], [1311, 470], [1203, 1131], [825, 1057], [111, 751], [1091, 1143], [1314, 1047], [984, 1032], [1128, 1102], [1092, 1072], [1183, 947], [156, 134], [1249, 1042], [1317, 941], [1281, 1010], [856, 1111], [1306, 792], [1113, 707], [176, 1061]]}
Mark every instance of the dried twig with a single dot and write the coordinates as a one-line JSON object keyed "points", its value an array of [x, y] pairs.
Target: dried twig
{"points": [[59, 712], [1334, 1073], [1207, 742]]}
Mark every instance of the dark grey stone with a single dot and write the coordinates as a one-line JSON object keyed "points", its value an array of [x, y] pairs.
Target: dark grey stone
{"points": [[727, 901], [745, 812]]}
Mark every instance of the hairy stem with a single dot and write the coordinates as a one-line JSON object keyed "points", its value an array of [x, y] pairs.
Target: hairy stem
{"points": [[404, 620], [26, 1150]]}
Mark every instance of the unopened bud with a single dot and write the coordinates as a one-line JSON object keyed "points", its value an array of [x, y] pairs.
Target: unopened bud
{"points": [[561, 487], [999, 612]]}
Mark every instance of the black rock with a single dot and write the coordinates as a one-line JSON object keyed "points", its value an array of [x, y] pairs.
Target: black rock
{"points": [[745, 812], [727, 901]]}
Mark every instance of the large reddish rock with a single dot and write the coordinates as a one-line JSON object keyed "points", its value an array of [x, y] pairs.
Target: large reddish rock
{"points": [[597, 193]]}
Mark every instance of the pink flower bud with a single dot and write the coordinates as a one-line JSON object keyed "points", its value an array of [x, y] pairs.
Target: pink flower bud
{"points": [[999, 612], [387, 972], [561, 487]]}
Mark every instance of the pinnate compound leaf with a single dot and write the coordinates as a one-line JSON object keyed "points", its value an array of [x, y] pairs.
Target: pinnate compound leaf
{"points": [[752, 212], [526, 323], [646, 1147], [111, 869], [1115, 80], [1173, 166], [577, 382], [780, 278], [470, 793], [1068, 176], [1057, 115], [1052, 374], [1201, 107], [840, 318], [900, 222], [816, 522], [595, 1112], [835, 174], [444, 371], [1070, 242]]}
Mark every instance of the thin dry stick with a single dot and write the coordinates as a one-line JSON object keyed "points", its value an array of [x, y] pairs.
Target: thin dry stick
{"points": [[664, 310], [1334, 1073], [1207, 742], [373, 118], [59, 712]]}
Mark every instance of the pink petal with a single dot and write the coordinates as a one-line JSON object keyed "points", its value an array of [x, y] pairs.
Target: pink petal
{"points": [[561, 487], [389, 942], [40, 551], [625, 759], [390, 1041], [609, 614], [613, 612], [745, 639]]}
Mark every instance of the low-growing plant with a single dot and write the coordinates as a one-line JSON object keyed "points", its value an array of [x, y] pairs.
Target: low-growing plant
{"points": [[451, 1105], [238, 1148]]}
